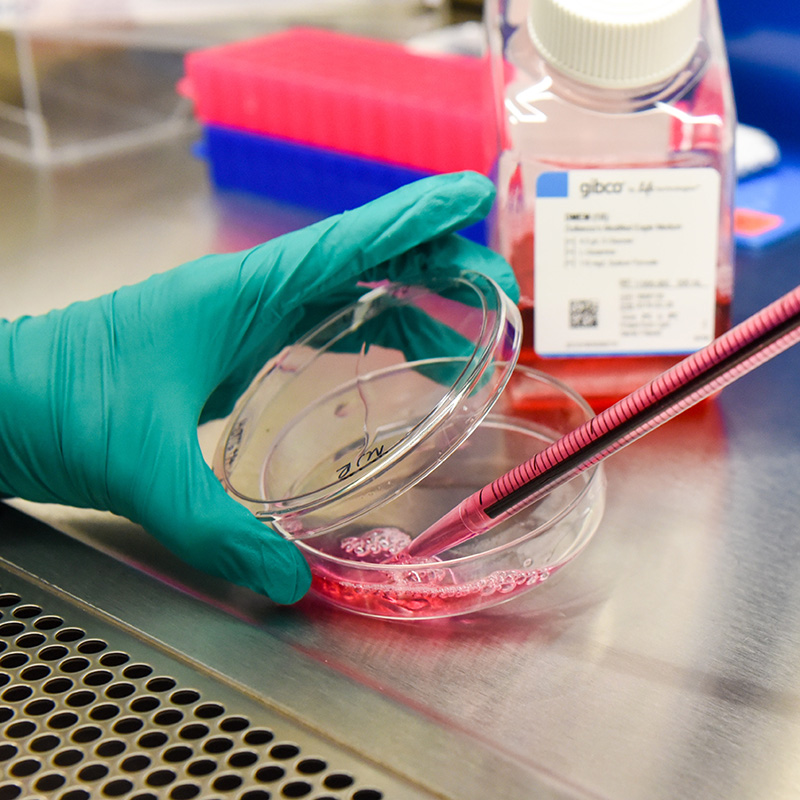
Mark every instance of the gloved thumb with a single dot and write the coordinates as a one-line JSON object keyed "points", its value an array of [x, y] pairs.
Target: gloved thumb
{"points": [[189, 512]]}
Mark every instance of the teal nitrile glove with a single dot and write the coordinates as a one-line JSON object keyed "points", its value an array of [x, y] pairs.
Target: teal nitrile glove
{"points": [[100, 401]]}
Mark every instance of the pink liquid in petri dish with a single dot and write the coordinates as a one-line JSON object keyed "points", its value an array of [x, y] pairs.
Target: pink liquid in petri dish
{"points": [[426, 590]]}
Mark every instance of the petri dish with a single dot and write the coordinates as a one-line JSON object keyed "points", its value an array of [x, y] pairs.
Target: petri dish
{"points": [[370, 401], [385, 416], [352, 567]]}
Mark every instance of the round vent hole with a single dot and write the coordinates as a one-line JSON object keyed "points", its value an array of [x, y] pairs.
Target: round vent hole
{"points": [[25, 768], [209, 711], [98, 677], [93, 772], [176, 754], [76, 794], [91, 647], [17, 693], [296, 789], [53, 652], [184, 791], [184, 696], [81, 698], [18, 730], [135, 763], [104, 712], [128, 725], [38, 707], [31, 640], [120, 690], [114, 659], [271, 773], [193, 731], [233, 724], [44, 743], [70, 634], [27, 611], [135, 671], [338, 781], [144, 704], [48, 623], [8, 599], [311, 766], [160, 684], [160, 777], [64, 719], [35, 672], [110, 748], [154, 739], [14, 660], [11, 628], [88, 733], [169, 716], [218, 745], [243, 758], [68, 758], [259, 736], [75, 664], [7, 751], [203, 766], [284, 751], [58, 685], [117, 788], [50, 782], [227, 783]]}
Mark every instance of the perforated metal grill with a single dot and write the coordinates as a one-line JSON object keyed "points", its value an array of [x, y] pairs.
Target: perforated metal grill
{"points": [[82, 719]]}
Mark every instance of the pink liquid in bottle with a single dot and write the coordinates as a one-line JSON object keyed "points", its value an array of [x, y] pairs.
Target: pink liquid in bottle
{"points": [[615, 184]]}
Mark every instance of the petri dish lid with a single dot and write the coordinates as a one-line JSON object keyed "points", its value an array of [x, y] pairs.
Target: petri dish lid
{"points": [[370, 401]]}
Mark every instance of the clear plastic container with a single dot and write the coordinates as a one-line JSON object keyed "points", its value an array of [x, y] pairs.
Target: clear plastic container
{"points": [[615, 183], [383, 418], [349, 565], [75, 95]]}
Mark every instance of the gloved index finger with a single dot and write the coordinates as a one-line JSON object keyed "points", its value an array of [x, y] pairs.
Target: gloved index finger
{"points": [[340, 249]]}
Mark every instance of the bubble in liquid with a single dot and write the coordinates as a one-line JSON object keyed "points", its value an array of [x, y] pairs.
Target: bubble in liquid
{"points": [[377, 542]]}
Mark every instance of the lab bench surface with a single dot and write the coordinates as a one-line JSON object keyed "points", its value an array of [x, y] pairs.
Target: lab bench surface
{"points": [[663, 663]]}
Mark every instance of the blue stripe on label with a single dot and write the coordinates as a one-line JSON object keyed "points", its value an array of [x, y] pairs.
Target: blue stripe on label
{"points": [[552, 184]]}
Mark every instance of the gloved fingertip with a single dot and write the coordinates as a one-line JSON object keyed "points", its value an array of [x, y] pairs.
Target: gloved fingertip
{"points": [[285, 576], [469, 193], [473, 183]]}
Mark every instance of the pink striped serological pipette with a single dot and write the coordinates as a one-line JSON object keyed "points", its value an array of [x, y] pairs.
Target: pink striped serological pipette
{"points": [[743, 348]]}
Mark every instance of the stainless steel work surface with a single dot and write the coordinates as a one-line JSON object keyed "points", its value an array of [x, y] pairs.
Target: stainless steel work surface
{"points": [[663, 663]]}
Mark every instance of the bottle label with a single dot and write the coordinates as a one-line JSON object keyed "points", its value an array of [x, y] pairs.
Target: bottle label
{"points": [[626, 261]]}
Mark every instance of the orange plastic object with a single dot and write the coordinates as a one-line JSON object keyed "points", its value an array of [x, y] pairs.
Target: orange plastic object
{"points": [[749, 222], [355, 95]]}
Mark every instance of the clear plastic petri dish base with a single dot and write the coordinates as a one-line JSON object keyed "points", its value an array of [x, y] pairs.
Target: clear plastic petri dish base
{"points": [[384, 417]]}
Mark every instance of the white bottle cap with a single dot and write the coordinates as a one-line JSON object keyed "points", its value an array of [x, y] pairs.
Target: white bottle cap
{"points": [[616, 44]]}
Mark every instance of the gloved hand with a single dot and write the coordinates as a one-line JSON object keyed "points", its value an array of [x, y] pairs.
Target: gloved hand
{"points": [[100, 401]]}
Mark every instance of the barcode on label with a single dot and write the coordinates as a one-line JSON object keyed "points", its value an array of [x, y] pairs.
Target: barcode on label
{"points": [[583, 313]]}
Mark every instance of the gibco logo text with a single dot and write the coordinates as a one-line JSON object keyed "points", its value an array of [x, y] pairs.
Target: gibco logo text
{"points": [[598, 187]]}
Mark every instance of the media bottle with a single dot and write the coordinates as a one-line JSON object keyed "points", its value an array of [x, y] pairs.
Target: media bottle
{"points": [[615, 181]]}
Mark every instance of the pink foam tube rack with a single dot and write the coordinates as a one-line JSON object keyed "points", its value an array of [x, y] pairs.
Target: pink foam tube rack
{"points": [[351, 94]]}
